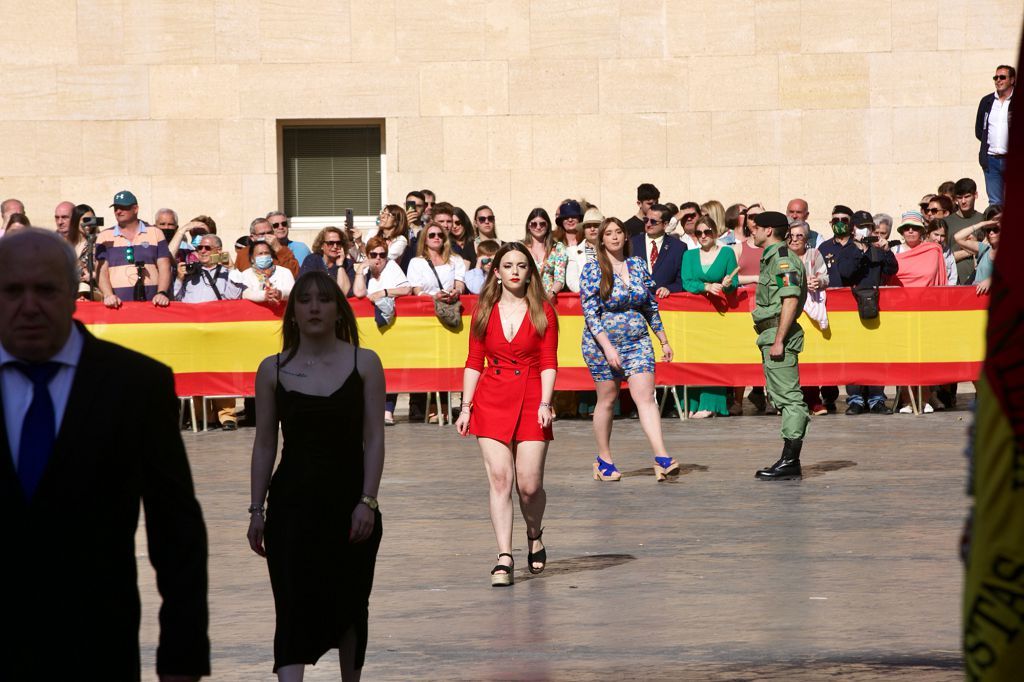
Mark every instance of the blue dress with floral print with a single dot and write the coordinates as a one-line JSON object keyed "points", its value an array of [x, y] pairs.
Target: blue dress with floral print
{"points": [[623, 316]]}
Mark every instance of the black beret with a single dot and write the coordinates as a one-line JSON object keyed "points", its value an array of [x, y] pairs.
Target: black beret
{"points": [[771, 219], [839, 208]]}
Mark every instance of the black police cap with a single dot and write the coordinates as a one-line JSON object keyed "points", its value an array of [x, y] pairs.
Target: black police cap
{"points": [[771, 219]]}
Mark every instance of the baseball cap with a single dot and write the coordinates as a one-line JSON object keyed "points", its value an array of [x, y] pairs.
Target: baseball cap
{"points": [[863, 218], [124, 198]]}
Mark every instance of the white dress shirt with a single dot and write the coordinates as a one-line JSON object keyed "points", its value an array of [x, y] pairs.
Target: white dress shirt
{"points": [[660, 241], [18, 392], [998, 126]]}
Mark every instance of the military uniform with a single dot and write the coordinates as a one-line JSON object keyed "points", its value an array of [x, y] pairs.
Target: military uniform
{"points": [[782, 276]]}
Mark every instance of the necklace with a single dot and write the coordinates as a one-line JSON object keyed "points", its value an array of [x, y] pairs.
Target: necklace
{"points": [[507, 311]]}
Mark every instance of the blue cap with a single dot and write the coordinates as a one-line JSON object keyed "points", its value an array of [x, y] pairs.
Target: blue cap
{"points": [[124, 198]]}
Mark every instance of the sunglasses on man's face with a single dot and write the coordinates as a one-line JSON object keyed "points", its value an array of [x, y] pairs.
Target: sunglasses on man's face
{"points": [[704, 233], [652, 221], [993, 229], [283, 223], [1000, 77], [932, 210], [687, 217], [205, 247]]}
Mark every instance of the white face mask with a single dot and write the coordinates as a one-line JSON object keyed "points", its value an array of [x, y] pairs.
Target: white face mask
{"points": [[861, 232]]}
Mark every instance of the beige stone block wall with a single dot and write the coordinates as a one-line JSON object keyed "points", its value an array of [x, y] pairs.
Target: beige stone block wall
{"points": [[513, 103]]}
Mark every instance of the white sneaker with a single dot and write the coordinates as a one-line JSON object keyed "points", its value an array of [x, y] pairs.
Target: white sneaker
{"points": [[928, 409], [906, 409]]}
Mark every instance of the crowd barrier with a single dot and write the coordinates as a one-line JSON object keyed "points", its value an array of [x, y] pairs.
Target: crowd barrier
{"points": [[922, 336]]}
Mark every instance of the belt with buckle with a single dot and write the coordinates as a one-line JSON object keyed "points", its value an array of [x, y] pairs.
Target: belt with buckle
{"points": [[766, 324]]}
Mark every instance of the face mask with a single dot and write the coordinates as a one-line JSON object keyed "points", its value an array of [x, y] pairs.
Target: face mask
{"points": [[263, 262], [840, 228], [861, 232]]}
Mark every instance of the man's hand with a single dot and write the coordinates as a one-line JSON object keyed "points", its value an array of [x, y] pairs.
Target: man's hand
{"points": [[182, 269], [161, 301], [273, 242], [662, 292], [777, 351], [112, 301], [860, 245]]}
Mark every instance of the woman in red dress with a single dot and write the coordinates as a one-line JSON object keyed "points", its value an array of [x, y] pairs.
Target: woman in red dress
{"points": [[507, 405]]}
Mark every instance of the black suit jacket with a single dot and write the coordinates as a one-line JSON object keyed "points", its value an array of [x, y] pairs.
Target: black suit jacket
{"points": [[668, 269], [981, 125], [68, 574]]}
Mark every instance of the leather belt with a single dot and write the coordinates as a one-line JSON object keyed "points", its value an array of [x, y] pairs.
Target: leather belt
{"points": [[998, 156], [766, 324]]}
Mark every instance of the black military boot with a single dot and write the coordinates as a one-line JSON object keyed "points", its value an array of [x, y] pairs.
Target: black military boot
{"points": [[788, 466]]}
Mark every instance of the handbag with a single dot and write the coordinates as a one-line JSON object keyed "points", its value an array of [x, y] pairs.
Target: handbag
{"points": [[449, 314], [867, 302]]}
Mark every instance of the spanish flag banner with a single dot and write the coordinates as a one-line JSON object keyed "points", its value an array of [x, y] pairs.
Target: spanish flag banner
{"points": [[993, 599], [922, 336]]}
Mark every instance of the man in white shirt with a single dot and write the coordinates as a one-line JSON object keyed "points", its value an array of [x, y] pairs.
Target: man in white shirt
{"points": [[992, 128]]}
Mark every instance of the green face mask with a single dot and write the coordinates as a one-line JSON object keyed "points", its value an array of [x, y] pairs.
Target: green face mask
{"points": [[840, 228]]}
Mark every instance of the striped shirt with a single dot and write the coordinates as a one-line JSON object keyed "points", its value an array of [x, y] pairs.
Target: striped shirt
{"points": [[122, 255]]}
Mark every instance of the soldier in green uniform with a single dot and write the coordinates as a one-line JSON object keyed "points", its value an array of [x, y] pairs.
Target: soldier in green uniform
{"points": [[781, 292]]}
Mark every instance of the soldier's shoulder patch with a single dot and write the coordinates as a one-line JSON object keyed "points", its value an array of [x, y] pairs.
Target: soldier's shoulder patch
{"points": [[787, 279], [783, 265]]}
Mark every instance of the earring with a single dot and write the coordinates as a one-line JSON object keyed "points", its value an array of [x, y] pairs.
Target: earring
{"points": [[499, 280]]}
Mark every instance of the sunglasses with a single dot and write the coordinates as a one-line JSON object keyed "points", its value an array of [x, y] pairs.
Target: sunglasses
{"points": [[911, 228], [705, 233], [1000, 77], [332, 243], [205, 247], [435, 235], [687, 217], [538, 223], [485, 219], [992, 230], [377, 254], [281, 224], [573, 218], [652, 221], [797, 237], [932, 210]]}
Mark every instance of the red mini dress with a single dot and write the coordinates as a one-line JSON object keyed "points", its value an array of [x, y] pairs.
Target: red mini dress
{"points": [[508, 394]]}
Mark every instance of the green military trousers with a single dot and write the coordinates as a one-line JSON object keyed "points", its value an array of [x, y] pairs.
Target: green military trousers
{"points": [[782, 384]]}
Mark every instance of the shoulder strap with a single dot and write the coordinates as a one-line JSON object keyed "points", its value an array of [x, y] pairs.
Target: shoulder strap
{"points": [[212, 279], [434, 270], [278, 368], [783, 252]]}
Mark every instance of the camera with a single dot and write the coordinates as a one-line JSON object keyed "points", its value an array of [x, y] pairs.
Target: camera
{"points": [[193, 268], [870, 239], [90, 224]]}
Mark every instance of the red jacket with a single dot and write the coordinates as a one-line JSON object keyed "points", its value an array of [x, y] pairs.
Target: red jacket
{"points": [[508, 394]]}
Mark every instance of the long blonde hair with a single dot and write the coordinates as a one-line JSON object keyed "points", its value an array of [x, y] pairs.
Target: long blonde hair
{"points": [[490, 294], [607, 276]]}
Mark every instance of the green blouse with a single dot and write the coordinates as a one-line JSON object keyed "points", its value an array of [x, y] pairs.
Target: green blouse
{"points": [[694, 277]]}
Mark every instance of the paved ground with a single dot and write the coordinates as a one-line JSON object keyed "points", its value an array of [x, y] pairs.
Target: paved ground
{"points": [[850, 574]]}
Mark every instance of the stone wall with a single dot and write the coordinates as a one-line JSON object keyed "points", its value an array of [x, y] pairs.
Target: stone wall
{"points": [[509, 102]]}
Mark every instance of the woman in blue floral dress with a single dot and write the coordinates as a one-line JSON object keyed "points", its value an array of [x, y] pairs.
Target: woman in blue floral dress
{"points": [[617, 308]]}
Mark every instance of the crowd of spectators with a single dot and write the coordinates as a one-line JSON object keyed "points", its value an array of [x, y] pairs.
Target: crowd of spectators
{"points": [[434, 249]]}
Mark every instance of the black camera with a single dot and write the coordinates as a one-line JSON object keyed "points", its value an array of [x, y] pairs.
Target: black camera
{"points": [[90, 224], [192, 269]]}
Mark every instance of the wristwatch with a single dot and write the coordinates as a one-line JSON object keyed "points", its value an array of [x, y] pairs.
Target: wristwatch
{"points": [[370, 502], [164, 293]]}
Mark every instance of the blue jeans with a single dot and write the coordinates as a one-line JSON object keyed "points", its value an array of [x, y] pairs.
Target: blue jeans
{"points": [[994, 180], [855, 395]]}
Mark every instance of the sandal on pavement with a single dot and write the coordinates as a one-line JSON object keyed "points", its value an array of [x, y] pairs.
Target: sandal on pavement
{"points": [[540, 557], [503, 579], [664, 466], [605, 471]]}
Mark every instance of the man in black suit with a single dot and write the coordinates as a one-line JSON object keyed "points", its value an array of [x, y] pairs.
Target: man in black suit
{"points": [[662, 252], [89, 430]]}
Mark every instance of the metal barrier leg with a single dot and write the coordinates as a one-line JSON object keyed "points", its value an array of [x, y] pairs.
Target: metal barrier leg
{"points": [[206, 423], [913, 400], [449, 410], [664, 399], [192, 409], [681, 409]]}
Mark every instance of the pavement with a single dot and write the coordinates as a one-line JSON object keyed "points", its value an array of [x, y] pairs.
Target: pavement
{"points": [[851, 573]]}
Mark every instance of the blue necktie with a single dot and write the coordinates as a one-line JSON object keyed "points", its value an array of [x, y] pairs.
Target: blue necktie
{"points": [[39, 430]]}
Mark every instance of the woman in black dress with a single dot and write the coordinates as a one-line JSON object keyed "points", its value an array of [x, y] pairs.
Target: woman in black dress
{"points": [[322, 526]]}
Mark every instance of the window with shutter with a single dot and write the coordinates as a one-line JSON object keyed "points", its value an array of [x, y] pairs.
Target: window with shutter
{"points": [[328, 169]]}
